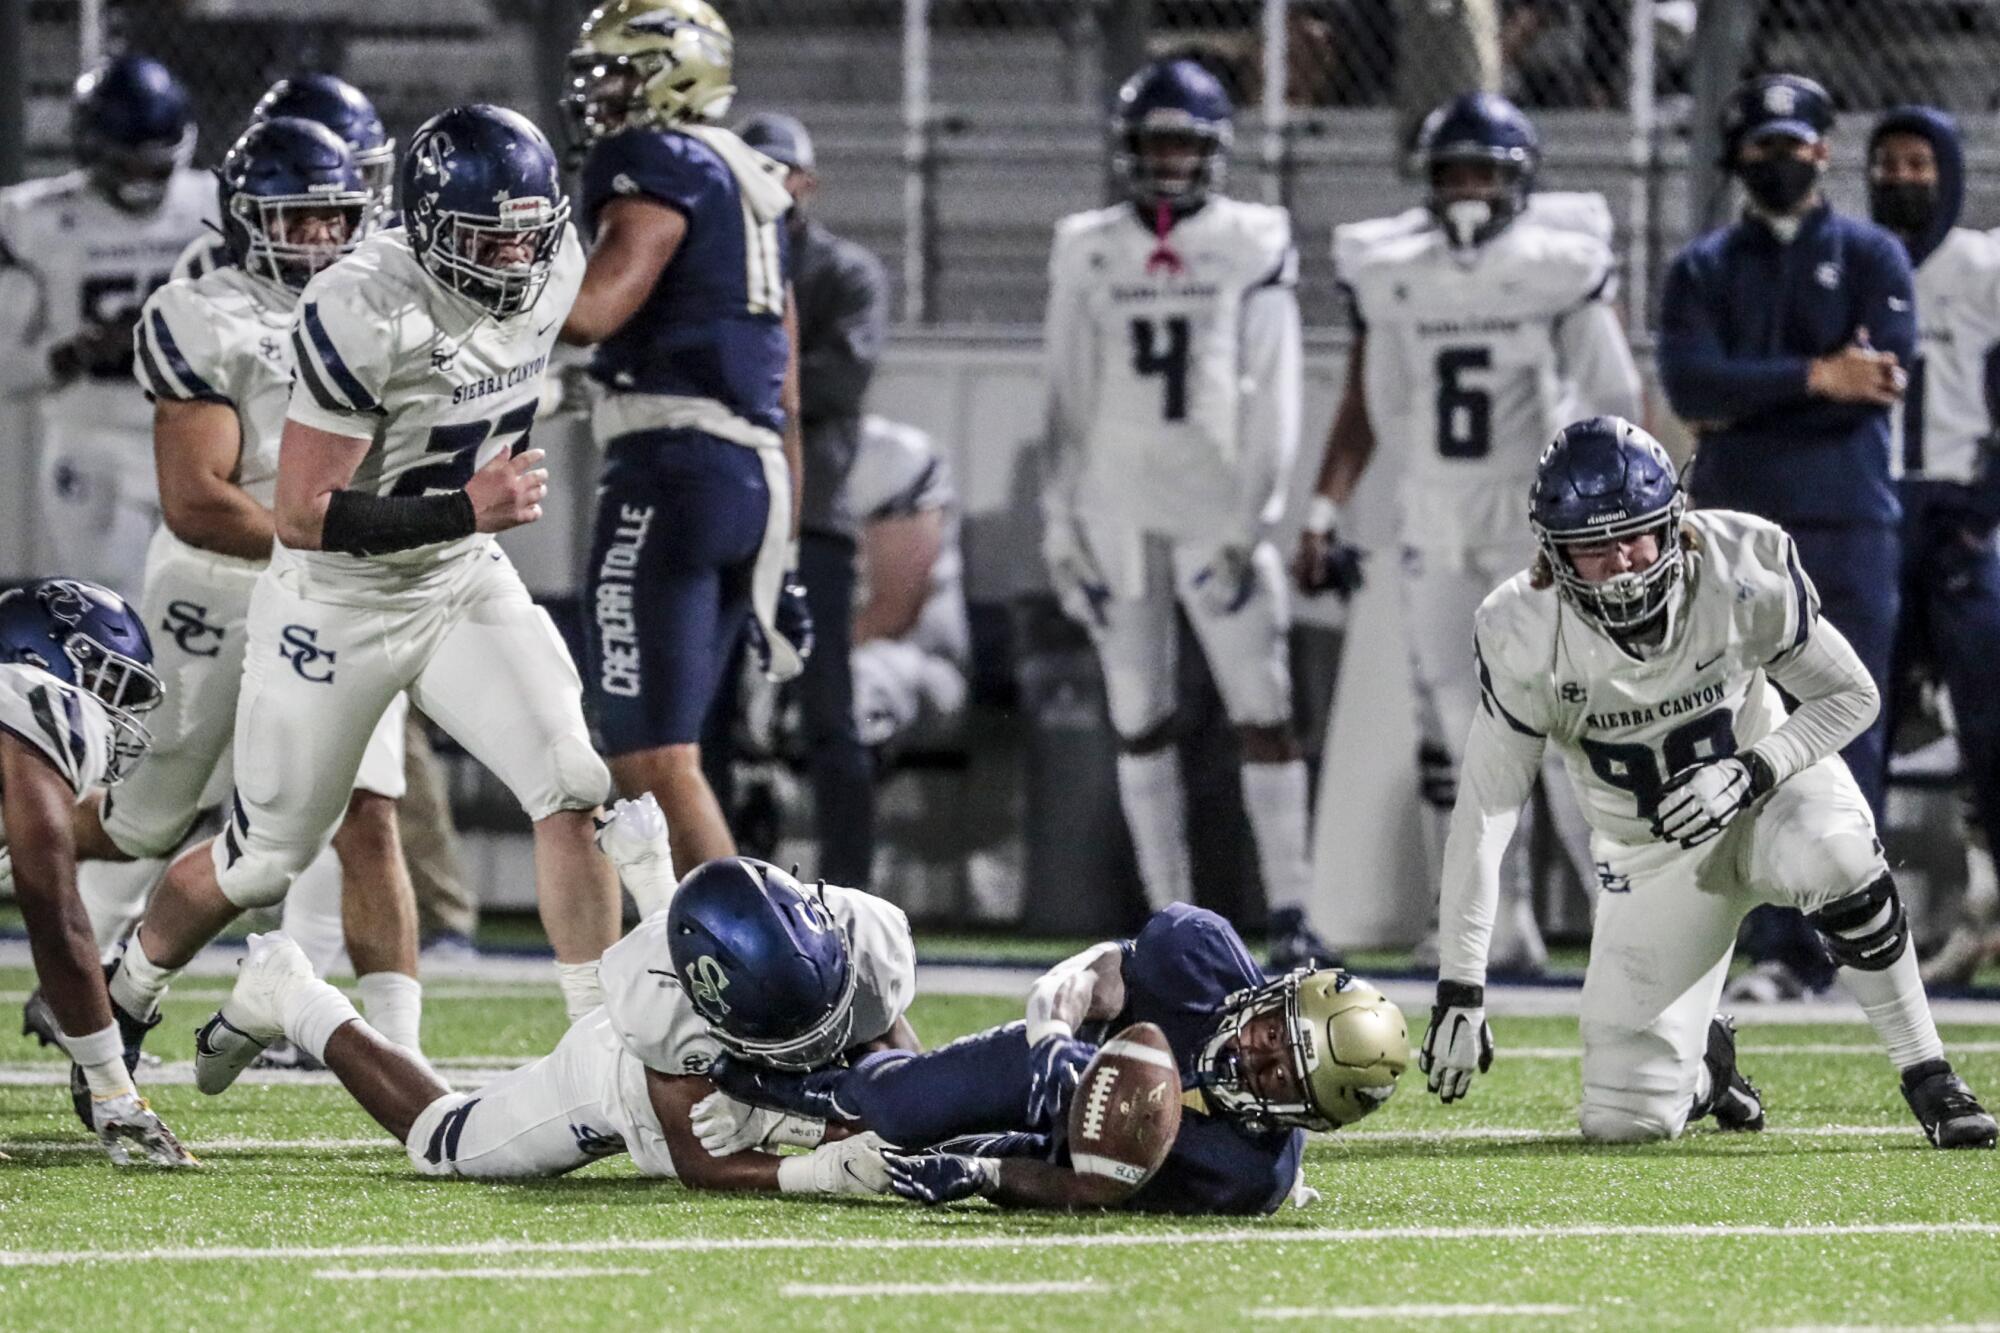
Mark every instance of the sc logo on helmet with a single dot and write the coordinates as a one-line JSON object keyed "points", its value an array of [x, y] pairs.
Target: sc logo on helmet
{"points": [[705, 982]]}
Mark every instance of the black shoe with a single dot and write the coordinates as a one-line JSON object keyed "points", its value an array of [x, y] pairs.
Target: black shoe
{"points": [[1951, 1116], [39, 1021], [1732, 1099], [282, 1054], [1295, 944], [811, 1095]]}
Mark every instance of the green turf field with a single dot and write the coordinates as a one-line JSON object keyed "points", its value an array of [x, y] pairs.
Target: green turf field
{"points": [[1489, 1214]]}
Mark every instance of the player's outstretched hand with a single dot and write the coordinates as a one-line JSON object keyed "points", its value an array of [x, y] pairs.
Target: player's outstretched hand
{"points": [[1325, 563], [508, 491], [940, 1177], [1699, 802], [1459, 1043], [726, 1126], [1055, 1067]]}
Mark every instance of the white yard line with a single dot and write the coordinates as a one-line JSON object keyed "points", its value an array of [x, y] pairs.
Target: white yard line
{"points": [[1408, 1311], [959, 1241], [490, 1274], [840, 1289]]}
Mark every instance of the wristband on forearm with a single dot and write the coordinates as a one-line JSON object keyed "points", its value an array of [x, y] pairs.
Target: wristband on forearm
{"points": [[358, 523]]}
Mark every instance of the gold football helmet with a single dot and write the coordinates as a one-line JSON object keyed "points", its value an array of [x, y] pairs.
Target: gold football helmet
{"points": [[649, 63], [1346, 1042]]}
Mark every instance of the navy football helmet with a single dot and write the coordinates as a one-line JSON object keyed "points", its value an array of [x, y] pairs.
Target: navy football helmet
{"points": [[282, 179], [1479, 127], [345, 109], [483, 205], [1172, 105], [131, 128], [87, 637], [1598, 481], [764, 963]]}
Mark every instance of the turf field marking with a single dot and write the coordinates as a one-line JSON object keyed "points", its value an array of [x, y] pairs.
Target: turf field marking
{"points": [[839, 1289], [959, 1240], [1988, 1326], [1801, 1048], [490, 1274], [1409, 1311]]}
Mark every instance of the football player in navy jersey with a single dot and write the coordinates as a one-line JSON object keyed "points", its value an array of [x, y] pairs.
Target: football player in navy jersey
{"points": [[1260, 1063], [688, 303]]}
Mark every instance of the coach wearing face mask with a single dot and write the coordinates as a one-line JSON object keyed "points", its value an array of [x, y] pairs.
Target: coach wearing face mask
{"points": [[1783, 342]]}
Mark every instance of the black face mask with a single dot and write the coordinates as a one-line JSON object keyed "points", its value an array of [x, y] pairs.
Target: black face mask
{"points": [[1777, 184], [1903, 206]]}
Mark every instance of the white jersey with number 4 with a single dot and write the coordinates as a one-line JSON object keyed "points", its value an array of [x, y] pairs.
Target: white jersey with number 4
{"points": [[1625, 725], [1173, 392], [436, 384], [63, 724], [1958, 329], [1477, 357]]}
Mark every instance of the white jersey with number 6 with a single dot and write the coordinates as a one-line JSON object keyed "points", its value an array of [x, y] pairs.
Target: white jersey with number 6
{"points": [[1173, 392], [1477, 357], [434, 383]]}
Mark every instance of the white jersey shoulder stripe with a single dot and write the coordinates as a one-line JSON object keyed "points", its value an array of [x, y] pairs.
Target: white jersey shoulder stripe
{"points": [[333, 385]]}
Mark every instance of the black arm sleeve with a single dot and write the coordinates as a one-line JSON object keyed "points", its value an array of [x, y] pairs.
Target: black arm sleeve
{"points": [[361, 524]]}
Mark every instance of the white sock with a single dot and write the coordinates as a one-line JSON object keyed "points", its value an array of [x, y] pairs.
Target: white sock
{"points": [[1149, 787], [1897, 1009], [101, 1056], [394, 1005], [312, 914], [1274, 795], [313, 1013], [114, 896], [139, 982], [580, 989]]}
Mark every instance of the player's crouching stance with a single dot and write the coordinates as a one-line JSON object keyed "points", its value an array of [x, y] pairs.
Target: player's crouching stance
{"points": [[743, 961], [75, 673], [419, 365], [1258, 1063], [1640, 644]]}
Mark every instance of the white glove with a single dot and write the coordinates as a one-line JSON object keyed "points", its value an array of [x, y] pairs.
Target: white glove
{"points": [[1079, 584], [726, 1126], [851, 1166], [634, 837], [1227, 582], [1303, 1195], [1699, 802], [1459, 1043]]}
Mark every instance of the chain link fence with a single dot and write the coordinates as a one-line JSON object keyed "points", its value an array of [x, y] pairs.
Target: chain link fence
{"points": [[953, 133]]}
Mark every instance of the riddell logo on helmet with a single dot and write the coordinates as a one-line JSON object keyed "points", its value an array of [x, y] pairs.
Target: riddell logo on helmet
{"points": [[526, 212], [1609, 516]]}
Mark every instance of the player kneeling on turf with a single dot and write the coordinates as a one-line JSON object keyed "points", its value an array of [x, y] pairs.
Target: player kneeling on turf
{"points": [[759, 967], [1255, 1063], [75, 673], [1648, 645]]}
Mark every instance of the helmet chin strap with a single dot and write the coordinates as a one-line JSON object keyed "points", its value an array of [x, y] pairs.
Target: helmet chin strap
{"points": [[1164, 257]]}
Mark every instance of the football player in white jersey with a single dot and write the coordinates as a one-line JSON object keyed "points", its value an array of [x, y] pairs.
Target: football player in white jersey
{"points": [[1647, 645], [79, 254], [75, 676], [214, 355], [1173, 367], [343, 108], [743, 960], [1950, 487], [419, 363], [1483, 322]]}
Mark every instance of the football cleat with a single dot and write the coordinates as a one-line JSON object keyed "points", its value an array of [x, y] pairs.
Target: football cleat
{"points": [[1295, 944], [286, 1055], [125, 1123], [39, 1021], [1732, 1099], [634, 837], [1951, 1116], [253, 1015]]}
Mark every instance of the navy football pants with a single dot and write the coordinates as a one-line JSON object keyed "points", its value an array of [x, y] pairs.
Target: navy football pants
{"points": [[680, 517], [977, 1084]]}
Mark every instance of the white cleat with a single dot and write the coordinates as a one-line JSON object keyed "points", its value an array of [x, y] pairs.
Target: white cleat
{"points": [[254, 1014], [634, 837], [126, 1126]]}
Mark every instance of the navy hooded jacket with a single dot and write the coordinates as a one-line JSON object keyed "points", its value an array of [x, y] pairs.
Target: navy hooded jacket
{"points": [[1742, 316]]}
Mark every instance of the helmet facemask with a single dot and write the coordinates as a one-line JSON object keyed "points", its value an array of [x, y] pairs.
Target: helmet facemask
{"points": [[378, 177], [1172, 159], [1222, 1074], [1626, 603], [135, 177], [127, 688], [271, 224], [1472, 217], [501, 260]]}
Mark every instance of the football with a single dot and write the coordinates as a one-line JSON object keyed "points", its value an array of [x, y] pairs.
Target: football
{"points": [[1127, 1108]]}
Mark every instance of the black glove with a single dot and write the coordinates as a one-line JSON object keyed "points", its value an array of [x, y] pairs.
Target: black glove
{"points": [[792, 622]]}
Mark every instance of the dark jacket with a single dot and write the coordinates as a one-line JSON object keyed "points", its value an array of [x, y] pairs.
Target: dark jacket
{"points": [[843, 297], [1742, 316]]}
